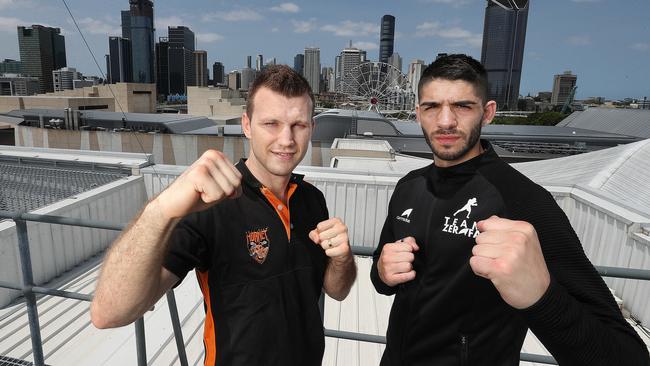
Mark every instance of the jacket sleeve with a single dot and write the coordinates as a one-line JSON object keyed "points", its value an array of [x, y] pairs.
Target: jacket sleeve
{"points": [[386, 236], [577, 318]]}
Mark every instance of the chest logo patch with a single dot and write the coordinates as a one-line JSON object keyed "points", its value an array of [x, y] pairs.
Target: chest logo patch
{"points": [[258, 244], [462, 225]]}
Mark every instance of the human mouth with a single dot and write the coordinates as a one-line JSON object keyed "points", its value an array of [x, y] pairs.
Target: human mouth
{"points": [[284, 155], [447, 139]]}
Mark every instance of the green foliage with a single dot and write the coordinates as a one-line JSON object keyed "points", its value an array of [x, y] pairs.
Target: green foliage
{"points": [[535, 119]]}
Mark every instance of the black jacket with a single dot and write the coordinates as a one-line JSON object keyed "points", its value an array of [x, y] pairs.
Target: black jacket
{"points": [[449, 316]]}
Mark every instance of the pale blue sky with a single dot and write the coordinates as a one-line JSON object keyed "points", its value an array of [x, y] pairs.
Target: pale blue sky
{"points": [[605, 42]]}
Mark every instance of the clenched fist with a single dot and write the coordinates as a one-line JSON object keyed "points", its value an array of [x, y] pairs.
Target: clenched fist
{"points": [[395, 265]]}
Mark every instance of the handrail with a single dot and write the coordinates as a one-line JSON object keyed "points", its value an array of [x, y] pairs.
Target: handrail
{"points": [[29, 290]]}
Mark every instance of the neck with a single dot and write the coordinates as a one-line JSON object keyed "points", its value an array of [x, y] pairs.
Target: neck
{"points": [[275, 183]]}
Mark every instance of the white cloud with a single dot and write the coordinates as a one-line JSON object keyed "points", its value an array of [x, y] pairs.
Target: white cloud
{"points": [[349, 28], [303, 26], [366, 46], [233, 16], [162, 23], [579, 40], [275, 29], [459, 36], [208, 37], [585, 1], [97, 26], [641, 46], [9, 25], [5, 3], [286, 8]]}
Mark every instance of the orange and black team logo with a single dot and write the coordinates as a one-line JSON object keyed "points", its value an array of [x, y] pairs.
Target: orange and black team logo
{"points": [[258, 243]]}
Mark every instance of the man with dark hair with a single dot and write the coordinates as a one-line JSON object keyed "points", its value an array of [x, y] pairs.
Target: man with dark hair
{"points": [[476, 253], [258, 236]]}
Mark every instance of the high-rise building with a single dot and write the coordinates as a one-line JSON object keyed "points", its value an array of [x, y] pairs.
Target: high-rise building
{"points": [[312, 68], [181, 59], [162, 67], [416, 68], [326, 74], [259, 62], [347, 69], [246, 78], [271, 61], [63, 78], [395, 60], [386, 37], [42, 50], [218, 74], [562, 85], [299, 63], [119, 67], [234, 80], [249, 61], [201, 68], [141, 33], [9, 66], [14, 84], [502, 55]]}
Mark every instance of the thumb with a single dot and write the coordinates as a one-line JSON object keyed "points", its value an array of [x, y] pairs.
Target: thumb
{"points": [[313, 235]]}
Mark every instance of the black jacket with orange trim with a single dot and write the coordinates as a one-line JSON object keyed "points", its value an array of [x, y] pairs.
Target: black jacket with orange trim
{"points": [[261, 288]]}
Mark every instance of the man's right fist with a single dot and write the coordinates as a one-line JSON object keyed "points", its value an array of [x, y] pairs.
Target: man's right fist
{"points": [[395, 263], [208, 181]]}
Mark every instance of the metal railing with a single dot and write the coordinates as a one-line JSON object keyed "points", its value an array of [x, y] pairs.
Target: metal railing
{"points": [[29, 291]]}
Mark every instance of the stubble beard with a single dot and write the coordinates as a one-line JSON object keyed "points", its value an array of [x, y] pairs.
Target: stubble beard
{"points": [[453, 155]]}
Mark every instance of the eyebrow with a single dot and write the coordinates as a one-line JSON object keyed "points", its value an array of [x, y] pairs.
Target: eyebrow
{"points": [[459, 102]]}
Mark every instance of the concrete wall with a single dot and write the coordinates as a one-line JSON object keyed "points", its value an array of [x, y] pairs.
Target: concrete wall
{"points": [[10, 103], [130, 97], [56, 249], [166, 149], [209, 102]]}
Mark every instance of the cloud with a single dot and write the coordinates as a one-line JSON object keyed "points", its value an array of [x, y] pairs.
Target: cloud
{"points": [[5, 3], [459, 36], [366, 46], [275, 29], [585, 1], [286, 8], [579, 40], [303, 26], [454, 3], [208, 37], [641, 46], [162, 23], [9, 25], [233, 16], [349, 28], [97, 26]]}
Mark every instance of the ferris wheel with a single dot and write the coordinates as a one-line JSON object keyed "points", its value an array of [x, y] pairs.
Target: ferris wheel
{"points": [[375, 85]]}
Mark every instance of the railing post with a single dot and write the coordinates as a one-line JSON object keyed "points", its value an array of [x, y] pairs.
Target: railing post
{"points": [[30, 298], [176, 325], [140, 344]]}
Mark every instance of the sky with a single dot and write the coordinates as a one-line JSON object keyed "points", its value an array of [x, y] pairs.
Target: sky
{"points": [[606, 44]]}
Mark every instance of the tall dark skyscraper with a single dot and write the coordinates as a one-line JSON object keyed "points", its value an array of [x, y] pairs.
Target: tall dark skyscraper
{"points": [[42, 50], [137, 26], [181, 59], [386, 37], [119, 61], [299, 63], [162, 66], [504, 35], [218, 76]]}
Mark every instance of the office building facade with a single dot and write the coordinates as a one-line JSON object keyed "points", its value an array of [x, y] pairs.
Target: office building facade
{"points": [[180, 59], [299, 63], [386, 37], [502, 54], [139, 29], [562, 86], [119, 65], [311, 70], [201, 68], [42, 50], [218, 75]]}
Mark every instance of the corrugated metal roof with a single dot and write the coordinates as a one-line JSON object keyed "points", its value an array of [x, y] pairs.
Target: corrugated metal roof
{"points": [[630, 122], [620, 173]]}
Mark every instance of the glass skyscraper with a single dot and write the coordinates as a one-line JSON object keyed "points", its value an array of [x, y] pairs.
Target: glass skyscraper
{"points": [[42, 50], [386, 37], [140, 31], [502, 55]]}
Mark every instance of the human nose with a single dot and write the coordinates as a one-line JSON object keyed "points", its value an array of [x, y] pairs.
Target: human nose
{"points": [[446, 117], [286, 137]]}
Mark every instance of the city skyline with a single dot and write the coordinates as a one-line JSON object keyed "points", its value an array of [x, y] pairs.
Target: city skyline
{"points": [[562, 34]]}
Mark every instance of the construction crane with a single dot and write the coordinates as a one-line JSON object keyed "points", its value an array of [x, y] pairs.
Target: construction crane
{"points": [[569, 100]]}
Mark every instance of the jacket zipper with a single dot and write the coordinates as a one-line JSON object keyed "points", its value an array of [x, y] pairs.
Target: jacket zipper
{"points": [[464, 350]]}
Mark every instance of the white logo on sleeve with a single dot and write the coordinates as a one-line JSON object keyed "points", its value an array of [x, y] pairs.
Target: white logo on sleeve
{"points": [[405, 215], [462, 226]]}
